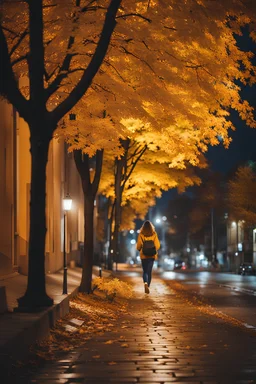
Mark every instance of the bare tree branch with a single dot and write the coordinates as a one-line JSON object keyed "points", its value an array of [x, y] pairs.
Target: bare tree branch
{"points": [[134, 163], [96, 85], [137, 57], [135, 15], [8, 84], [112, 66], [21, 37], [19, 60]]}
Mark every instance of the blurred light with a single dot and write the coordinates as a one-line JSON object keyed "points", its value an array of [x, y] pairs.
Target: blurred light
{"points": [[240, 246], [236, 254], [201, 257], [164, 218], [183, 265], [133, 241], [138, 230], [234, 223], [131, 231], [158, 221], [188, 249], [67, 203], [111, 251]]}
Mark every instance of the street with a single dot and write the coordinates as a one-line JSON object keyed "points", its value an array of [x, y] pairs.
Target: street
{"points": [[233, 295], [171, 335]]}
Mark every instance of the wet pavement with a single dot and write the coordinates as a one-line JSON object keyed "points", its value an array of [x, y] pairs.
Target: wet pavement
{"points": [[163, 339]]}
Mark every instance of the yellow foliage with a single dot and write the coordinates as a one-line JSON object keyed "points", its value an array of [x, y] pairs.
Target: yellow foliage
{"points": [[173, 68], [113, 287]]}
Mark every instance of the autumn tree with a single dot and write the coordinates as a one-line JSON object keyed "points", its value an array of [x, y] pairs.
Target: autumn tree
{"points": [[26, 44], [87, 144], [180, 65], [144, 173]]}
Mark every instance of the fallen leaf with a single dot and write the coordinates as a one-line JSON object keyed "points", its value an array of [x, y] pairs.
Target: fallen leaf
{"points": [[96, 357], [112, 363], [109, 342], [124, 345]]}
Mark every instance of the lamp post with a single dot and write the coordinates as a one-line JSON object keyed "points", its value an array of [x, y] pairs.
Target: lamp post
{"points": [[162, 221], [67, 204]]}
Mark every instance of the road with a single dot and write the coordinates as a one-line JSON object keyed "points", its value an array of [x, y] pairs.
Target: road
{"points": [[231, 294]]}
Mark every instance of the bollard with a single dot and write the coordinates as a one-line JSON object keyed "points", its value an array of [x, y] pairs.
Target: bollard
{"points": [[100, 272]]}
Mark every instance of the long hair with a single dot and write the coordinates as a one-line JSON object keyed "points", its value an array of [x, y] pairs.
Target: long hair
{"points": [[147, 228]]}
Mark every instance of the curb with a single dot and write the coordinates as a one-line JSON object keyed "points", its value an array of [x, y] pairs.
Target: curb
{"points": [[21, 330]]}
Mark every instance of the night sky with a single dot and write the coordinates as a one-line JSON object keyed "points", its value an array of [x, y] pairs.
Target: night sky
{"points": [[241, 150]]}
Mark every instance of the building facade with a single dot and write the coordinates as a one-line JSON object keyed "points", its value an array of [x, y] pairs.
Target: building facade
{"points": [[62, 178]]}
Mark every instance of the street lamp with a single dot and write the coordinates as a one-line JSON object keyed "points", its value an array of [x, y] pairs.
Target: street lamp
{"points": [[67, 204], [162, 221]]}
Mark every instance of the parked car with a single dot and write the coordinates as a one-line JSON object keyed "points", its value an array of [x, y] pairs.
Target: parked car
{"points": [[246, 269], [179, 264]]}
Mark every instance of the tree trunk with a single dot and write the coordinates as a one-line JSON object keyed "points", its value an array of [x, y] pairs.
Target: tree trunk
{"points": [[90, 189], [118, 208], [110, 248], [35, 296], [86, 281]]}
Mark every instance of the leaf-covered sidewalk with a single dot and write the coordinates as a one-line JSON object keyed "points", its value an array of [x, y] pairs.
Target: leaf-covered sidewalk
{"points": [[156, 338]]}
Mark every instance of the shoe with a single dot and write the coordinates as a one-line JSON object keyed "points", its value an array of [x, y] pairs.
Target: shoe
{"points": [[146, 287]]}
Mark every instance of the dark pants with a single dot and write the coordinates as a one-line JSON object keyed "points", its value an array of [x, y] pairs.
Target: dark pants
{"points": [[147, 265]]}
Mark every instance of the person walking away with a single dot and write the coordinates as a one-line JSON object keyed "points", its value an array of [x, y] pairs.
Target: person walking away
{"points": [[148, 244]]}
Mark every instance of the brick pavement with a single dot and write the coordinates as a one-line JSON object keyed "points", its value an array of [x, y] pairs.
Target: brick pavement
{"points": [[162, 340]]}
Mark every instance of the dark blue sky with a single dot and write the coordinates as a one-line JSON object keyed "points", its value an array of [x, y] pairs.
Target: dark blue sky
{"points": [[241, 149]]}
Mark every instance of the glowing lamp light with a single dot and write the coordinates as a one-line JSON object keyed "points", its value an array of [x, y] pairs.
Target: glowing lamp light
{"points": [[240, 246], [131, 231], [67, 203], [158, 221], [133, 241]]}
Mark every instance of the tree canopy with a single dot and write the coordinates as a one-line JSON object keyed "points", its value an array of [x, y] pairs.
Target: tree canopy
{"points": [[173, 65]]}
